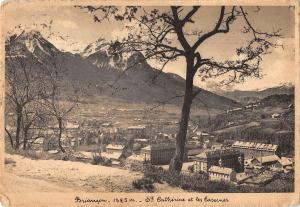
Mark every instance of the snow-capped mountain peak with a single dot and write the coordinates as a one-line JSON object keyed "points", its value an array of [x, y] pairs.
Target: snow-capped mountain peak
{"points": [[98, 45], [33, 41]]}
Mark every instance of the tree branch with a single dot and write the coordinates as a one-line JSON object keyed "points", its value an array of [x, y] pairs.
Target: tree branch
{"points": [[216, 29]]}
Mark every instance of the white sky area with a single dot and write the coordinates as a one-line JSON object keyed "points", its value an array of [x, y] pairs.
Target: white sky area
{"points": [[79, 29]]}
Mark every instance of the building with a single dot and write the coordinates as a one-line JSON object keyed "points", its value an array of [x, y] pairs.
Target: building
{"points": [[202, 134], [235, 110], [251, 106], [146, 153], [141, 141], [275, 116], [227, 158], [251, 162], [254, 149], [137, 131], [159, 154], [218, 173], [286, 163], [193, 147], [111, 148], [270, 161], [277, 164], [163, 137], [273, 162], [115, 156], [217, 147], [259, 180]]}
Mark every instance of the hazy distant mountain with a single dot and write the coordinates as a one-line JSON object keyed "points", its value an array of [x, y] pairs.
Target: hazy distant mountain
{"points": [[256, 95], [278, 100], [101, 72]]}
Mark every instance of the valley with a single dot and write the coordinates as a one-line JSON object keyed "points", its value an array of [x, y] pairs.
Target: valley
{"points": [[121, 114]]}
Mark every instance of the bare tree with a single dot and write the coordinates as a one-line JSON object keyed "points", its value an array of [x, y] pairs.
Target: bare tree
{"points": [[34, 124], [34, 93], [163, 35], [24, 84], [59, 99]]}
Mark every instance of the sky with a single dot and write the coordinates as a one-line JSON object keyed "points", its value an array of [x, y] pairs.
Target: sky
{"points": [[79, 28]]}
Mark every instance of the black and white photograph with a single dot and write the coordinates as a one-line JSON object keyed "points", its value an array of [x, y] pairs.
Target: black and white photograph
{"points": [[149, 99]]}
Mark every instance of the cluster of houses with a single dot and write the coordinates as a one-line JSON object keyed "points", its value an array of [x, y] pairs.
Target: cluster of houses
{"points": [[244, 162], [251, 163]]}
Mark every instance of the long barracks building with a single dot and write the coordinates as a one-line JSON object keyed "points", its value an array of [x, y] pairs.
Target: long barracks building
{"points": [[254, 149]]}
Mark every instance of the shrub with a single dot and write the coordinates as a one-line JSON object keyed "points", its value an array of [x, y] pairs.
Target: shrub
{"points": [[144, 183], [65, 157], [106, 162], [154, 173], [136, 167], [97, 159]]}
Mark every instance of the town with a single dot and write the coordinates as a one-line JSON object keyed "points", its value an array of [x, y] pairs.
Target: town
{"points": [[234, 160]]}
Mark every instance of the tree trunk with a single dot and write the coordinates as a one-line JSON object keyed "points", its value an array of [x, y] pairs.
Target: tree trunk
{"points": [[60, 134], [25, 139], [177, 161], [18, 129], [10, 138]]}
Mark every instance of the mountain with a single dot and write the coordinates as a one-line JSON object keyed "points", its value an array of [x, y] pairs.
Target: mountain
{"points": [[257, 95], [278, 100], [98, 45], [101, 71], [33, 48], [106, 55]]}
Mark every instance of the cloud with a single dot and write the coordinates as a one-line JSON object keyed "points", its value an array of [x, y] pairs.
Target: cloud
{"points": [[68, 24], [121, 31]]}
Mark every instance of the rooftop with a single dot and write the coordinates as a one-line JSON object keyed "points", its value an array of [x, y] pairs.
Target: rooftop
{"points": [[115, 146], [147, 148], [285, 161], [141, 140], [255, 145], [217, 153], [250, 160], [135, 157], [159, 146], [221, 170], [269, 158]]}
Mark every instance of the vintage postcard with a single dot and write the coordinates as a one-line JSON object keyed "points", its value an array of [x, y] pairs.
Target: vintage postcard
{"points": [[149, 103]]}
